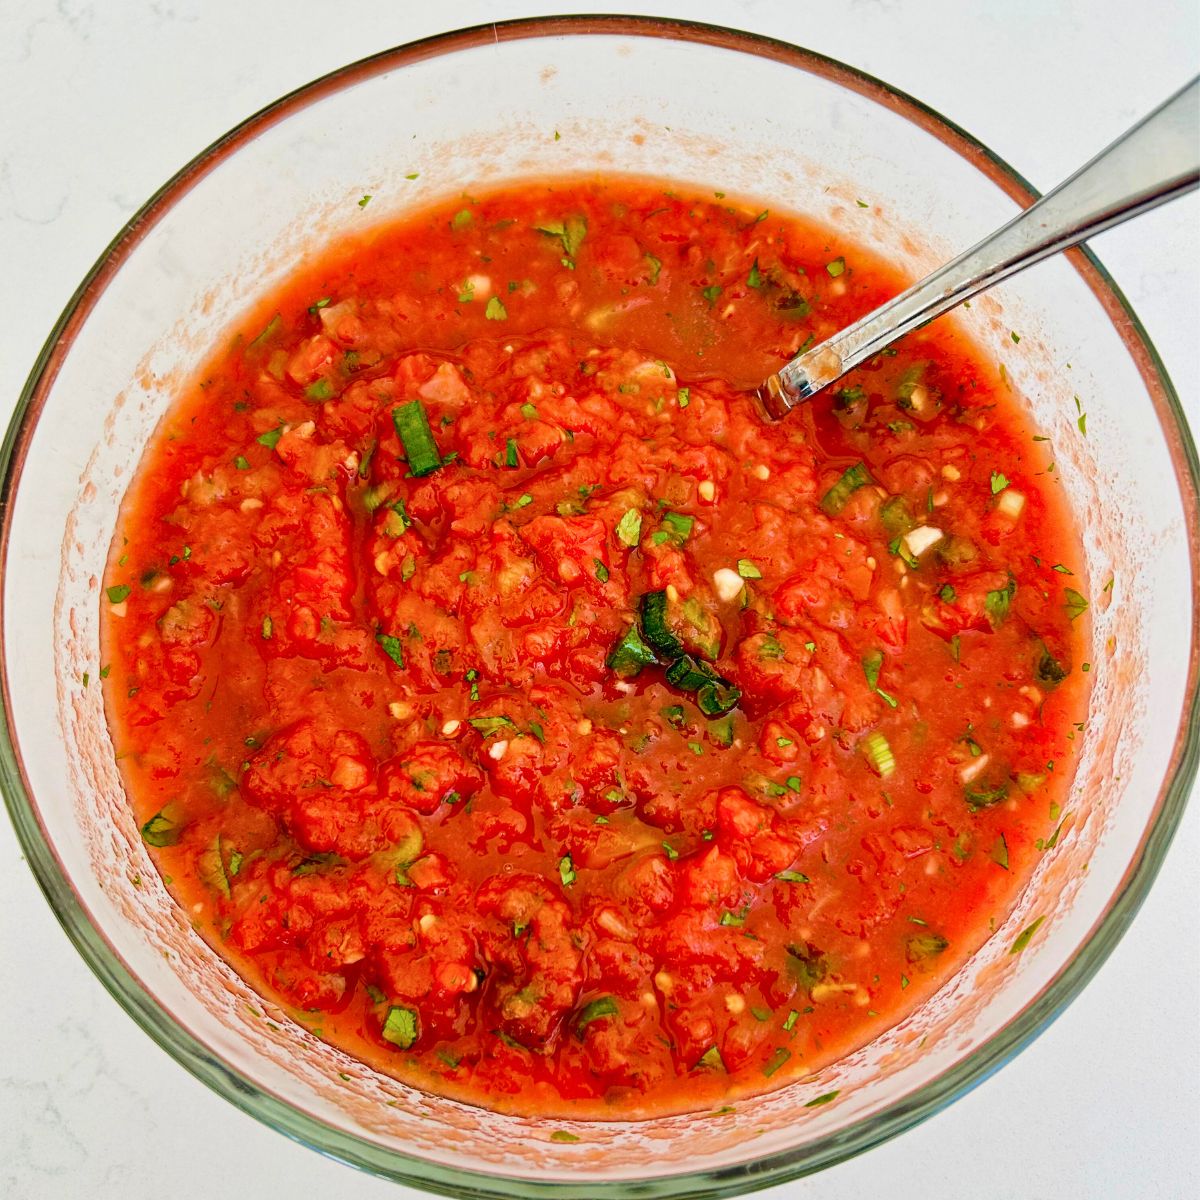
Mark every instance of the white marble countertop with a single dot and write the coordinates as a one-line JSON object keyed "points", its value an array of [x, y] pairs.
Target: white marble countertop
{"points": [[101, 102]]}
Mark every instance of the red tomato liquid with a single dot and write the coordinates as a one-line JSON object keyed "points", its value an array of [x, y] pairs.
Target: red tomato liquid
{"points": [[367, 703]]}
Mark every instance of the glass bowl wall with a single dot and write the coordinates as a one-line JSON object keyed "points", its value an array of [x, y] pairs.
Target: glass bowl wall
{"points": [[586, 96]]}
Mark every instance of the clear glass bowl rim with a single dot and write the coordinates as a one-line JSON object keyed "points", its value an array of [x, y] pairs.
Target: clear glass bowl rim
{"points": [[766, 1171]]}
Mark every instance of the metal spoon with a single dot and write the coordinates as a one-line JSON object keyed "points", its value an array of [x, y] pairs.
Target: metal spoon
{"points": [[1155, 161]]}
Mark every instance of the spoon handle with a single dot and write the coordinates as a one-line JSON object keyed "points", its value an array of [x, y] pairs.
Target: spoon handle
{"points": [[1151, 163]]}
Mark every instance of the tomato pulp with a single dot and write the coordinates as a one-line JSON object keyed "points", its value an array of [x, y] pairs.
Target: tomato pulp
{"points": [[508, 702]]}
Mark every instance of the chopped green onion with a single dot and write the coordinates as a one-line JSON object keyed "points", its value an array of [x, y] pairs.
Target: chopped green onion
{"points": [[984, 796], [879, 753], [747, 570], [655, 627], [412, 428], [781, 1055], [1026, 936], [595, 1010], [852, 479], [495, 310], [791, 877], [679, 524]]}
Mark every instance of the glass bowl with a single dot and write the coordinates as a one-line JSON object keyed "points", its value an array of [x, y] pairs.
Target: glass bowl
{"points": [[581, 96]]}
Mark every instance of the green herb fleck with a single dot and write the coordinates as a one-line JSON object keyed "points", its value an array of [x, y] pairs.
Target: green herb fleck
{"points": [[566, 872], [160, 830], [1000, 852], [400, 1026], [1025, 936], [1075, 604]]}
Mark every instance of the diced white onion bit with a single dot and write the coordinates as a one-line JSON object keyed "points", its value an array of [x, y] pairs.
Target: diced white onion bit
{"points": [[400, 710], [481, 286], [919, 398], [969, 770], [762, 472], [921, 539], [497, 750], [1019, 720], [735, 1003], [450, 728], [119, 610], [951, 473], [707, 490], [1011, 503], [610, 921], [728, 583]]}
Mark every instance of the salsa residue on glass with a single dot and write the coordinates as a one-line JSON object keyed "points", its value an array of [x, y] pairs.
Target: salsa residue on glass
{"points": [[506, 700]]}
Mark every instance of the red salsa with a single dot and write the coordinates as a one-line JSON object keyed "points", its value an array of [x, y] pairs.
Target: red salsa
{"points": [[503, 698]]}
